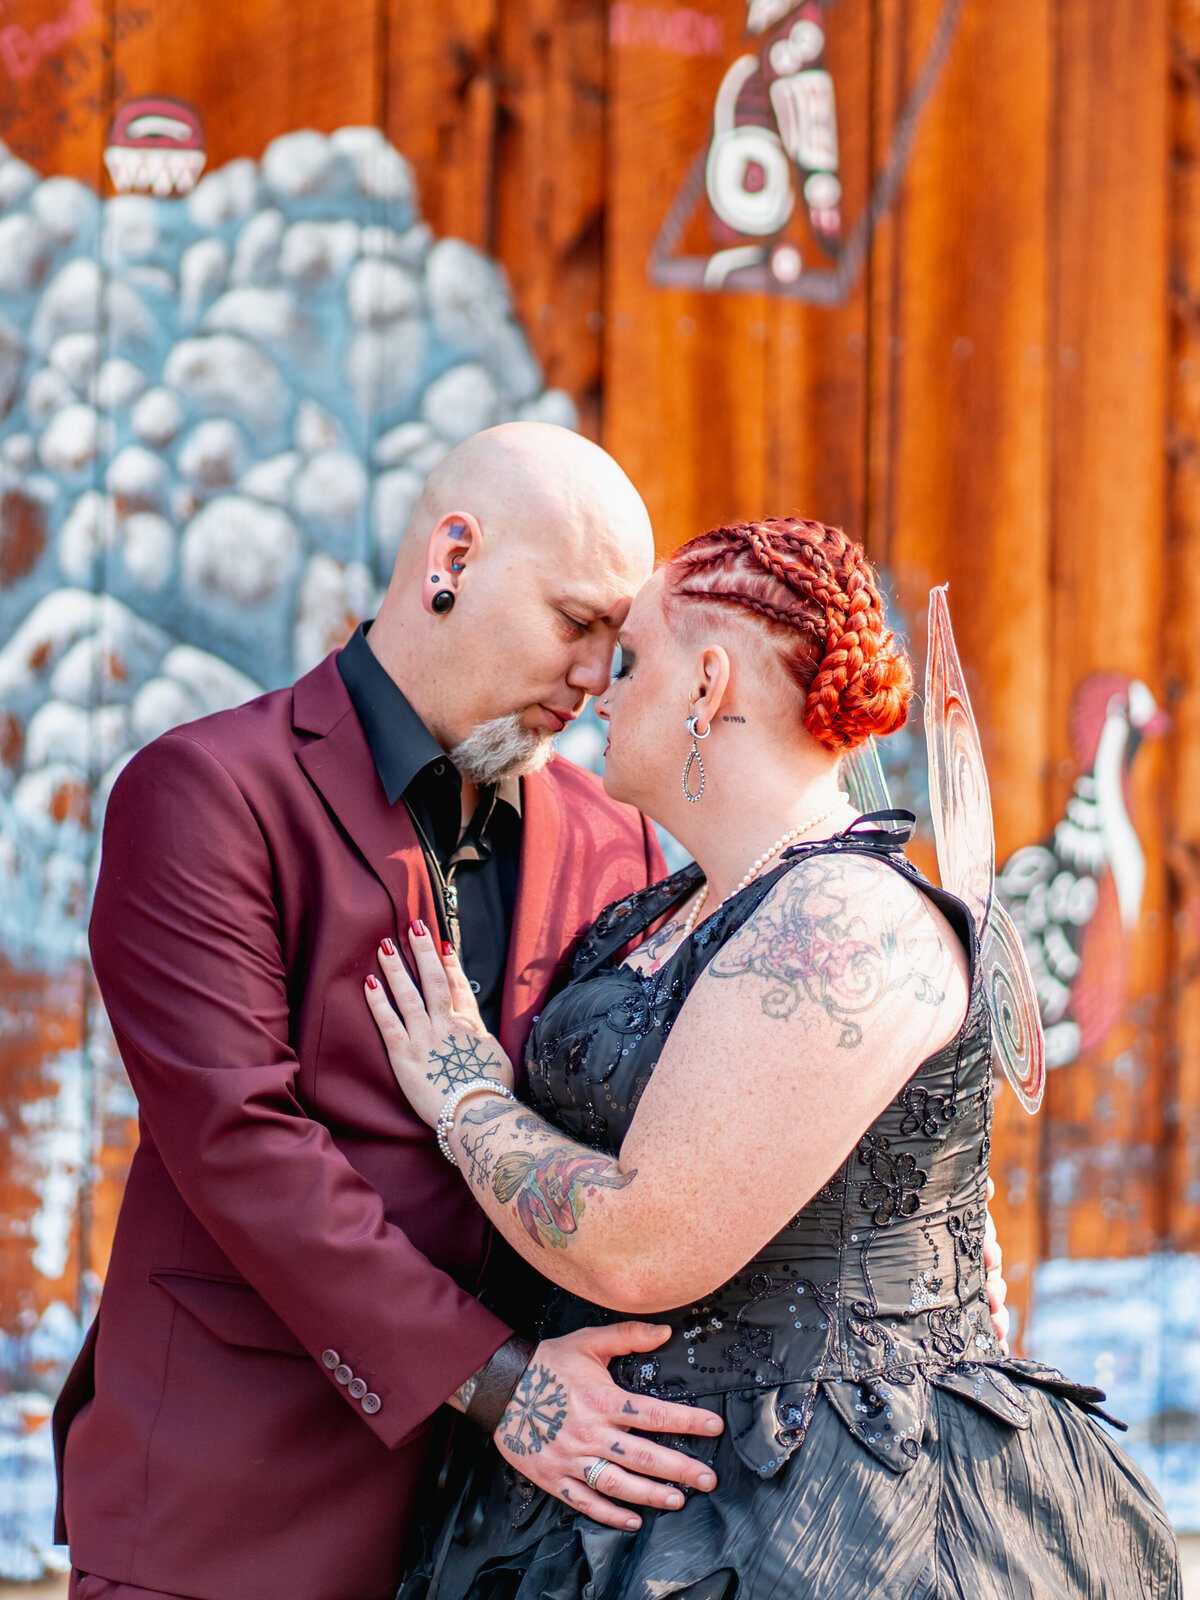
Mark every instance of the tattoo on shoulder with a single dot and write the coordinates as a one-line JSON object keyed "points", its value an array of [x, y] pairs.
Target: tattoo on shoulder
{"points": [[535, 1413], [811, 946], [652, 947], [462, 1060]]}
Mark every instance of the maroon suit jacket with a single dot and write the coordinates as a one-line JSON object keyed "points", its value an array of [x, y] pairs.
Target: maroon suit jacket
{"points": [[284, 1201]]}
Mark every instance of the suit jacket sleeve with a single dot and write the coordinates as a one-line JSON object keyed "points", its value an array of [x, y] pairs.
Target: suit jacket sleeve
{"points": [[185, 943]]}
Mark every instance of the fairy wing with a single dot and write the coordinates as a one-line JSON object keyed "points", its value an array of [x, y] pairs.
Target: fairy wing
{"points": [[862, 773], [961, 804]]}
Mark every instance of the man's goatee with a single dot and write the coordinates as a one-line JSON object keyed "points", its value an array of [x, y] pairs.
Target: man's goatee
{"points": [[502, 748]]}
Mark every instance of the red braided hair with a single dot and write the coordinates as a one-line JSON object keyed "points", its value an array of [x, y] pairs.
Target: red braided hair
{"points": [[819, 585]]}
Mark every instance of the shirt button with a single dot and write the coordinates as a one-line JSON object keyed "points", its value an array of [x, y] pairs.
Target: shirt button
{"points": [[343, 1374], [330, 1358], [474, 986], [371, 1403], [439, 768], [357, 1389]]}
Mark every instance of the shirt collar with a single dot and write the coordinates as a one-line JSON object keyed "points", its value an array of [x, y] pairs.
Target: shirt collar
{"points": [[401, 745]]}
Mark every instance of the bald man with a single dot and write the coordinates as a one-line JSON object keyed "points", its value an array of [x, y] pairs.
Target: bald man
{"points": [[291, 1297]]}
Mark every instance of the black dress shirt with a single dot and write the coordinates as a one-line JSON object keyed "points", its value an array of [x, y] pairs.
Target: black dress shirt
{"points": [[473, 870]]}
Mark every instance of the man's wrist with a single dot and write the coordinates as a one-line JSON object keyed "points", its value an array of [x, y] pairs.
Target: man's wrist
{"points": [[495, 1382]]}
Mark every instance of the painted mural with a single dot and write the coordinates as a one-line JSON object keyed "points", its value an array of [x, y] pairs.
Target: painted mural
{"points": [[216, 414], [763, 207]]}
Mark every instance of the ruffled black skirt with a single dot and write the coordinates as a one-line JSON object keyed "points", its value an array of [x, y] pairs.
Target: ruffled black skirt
{"points": [[990, 1508]]}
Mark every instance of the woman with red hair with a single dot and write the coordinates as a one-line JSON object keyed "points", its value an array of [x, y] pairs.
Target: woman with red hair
{"points": [[759, 1113]]}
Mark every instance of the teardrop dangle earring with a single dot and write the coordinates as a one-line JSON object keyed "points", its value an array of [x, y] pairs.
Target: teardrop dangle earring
{"points": [[694, 757]]}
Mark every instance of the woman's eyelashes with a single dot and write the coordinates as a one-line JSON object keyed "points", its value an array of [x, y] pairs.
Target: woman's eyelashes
{"points": [[624, 664]]}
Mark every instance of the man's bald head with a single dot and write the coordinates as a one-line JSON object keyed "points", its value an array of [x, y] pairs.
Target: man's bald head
{"points": [[516, 571], [544, 485]]}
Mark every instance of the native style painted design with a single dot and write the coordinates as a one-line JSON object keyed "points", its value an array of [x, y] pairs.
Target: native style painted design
{"points": [[1075, 898], [769, 178]]}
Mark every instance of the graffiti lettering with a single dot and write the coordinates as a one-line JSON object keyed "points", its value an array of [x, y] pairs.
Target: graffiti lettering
{"points": [[680, 31], [22, 52]]}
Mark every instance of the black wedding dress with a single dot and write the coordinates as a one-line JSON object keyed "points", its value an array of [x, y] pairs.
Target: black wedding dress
{"points": [[878, 1442]]}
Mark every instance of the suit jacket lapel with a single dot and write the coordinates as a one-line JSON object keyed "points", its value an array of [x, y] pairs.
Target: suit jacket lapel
{"points": [[339, 763], [539, 936]]}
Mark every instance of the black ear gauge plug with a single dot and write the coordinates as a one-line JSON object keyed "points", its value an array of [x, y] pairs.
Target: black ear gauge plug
{"points": [[443, 601]]}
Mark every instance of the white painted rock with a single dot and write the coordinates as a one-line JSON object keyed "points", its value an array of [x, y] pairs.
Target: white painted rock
{"points": [[157, 418], [399, 443], [212, 454], [384, 365], [72, 304], [12, 365], [271, 480], [217, 685], [137, 478], [513, 364], [468, 295], [330, 489], [381, 171], [53, 797], [69, 209], [314, 253], [87, 531], [113, 662], [256, 252], [393, 502], [302, 164], [118, 384], [19, 451], [71, 440], [380, 291], [271, 316], [60, 731], [40, 641], [27, 248], [16, 180], [148, 550], [555, 406], [161, 704], [47, 392], [424, 459], [236, 549], [334, 599], [77, 357], [203, 270], [461, 402], [315, 429], [130, 227], [221, 372], [225, 195]]}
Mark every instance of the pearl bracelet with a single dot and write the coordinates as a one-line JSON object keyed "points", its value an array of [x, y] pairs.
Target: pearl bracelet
{"points": [[451, 1104]]}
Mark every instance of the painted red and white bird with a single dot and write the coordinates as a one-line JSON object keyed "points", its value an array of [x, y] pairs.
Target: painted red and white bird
{"points": [[1076, 898]]}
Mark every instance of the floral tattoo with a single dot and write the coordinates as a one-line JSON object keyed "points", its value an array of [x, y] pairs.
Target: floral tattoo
{"points": [[809, 945], [551, 1188]]}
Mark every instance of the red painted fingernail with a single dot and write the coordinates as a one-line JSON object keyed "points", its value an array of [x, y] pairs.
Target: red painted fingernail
{"points": [[419, 928], [372, 982], [447, 948], [388, 948]]}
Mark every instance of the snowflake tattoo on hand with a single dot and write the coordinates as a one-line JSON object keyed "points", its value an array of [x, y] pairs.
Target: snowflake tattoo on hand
{"points": [[460, 1063], [535, 1413]]}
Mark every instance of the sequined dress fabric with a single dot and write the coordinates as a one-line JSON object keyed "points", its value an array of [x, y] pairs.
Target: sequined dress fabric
{"points": [[877, 1440]]}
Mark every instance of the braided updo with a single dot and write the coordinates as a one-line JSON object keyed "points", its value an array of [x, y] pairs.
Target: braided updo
{"points": [[818, 585]]}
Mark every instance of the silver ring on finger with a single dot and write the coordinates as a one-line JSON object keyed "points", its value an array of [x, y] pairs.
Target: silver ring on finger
{"points": [[592, 1476]]}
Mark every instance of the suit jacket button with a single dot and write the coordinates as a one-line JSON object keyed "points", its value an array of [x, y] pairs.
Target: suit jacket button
{"points": [[371, 1403], [343, 1374], [357, 1389], [330, 1358]]}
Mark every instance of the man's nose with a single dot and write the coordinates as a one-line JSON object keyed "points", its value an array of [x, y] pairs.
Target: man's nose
{"points": [[592, 673]]}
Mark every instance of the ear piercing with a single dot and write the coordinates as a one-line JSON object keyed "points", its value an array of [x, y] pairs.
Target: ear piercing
{"points": [[694, 759], [443, 601]]}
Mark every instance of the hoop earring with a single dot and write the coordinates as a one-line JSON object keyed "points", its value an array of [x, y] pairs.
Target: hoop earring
{"points": [[694, 757]]}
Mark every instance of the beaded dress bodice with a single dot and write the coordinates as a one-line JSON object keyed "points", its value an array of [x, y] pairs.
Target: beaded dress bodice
{"points": [[876, 1287]]}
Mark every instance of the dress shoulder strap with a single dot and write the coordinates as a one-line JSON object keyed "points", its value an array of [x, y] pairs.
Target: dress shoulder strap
{"points": [[626, 919]]}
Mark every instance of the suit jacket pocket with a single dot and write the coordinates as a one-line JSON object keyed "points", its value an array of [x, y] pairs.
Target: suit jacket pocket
{"points": [[231, 1310]]}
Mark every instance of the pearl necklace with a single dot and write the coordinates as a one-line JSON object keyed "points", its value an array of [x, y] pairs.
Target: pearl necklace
{"points": [[805, 827]]}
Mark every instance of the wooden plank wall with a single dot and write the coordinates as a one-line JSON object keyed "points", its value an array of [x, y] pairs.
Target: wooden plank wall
{"points": [[990, 406]]}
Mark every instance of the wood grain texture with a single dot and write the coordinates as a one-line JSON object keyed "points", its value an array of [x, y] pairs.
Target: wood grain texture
{"points": [[1103, 1123]]}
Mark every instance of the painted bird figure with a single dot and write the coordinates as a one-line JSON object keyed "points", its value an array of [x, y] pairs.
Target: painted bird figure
{"points": [[1076, 898]]}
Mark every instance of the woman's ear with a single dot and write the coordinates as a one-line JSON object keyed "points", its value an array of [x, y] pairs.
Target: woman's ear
{"points": [[711, 685], [454, 542]]}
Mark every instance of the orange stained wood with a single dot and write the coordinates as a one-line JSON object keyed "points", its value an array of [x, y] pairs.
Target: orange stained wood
{"points": [[990, 406]]}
